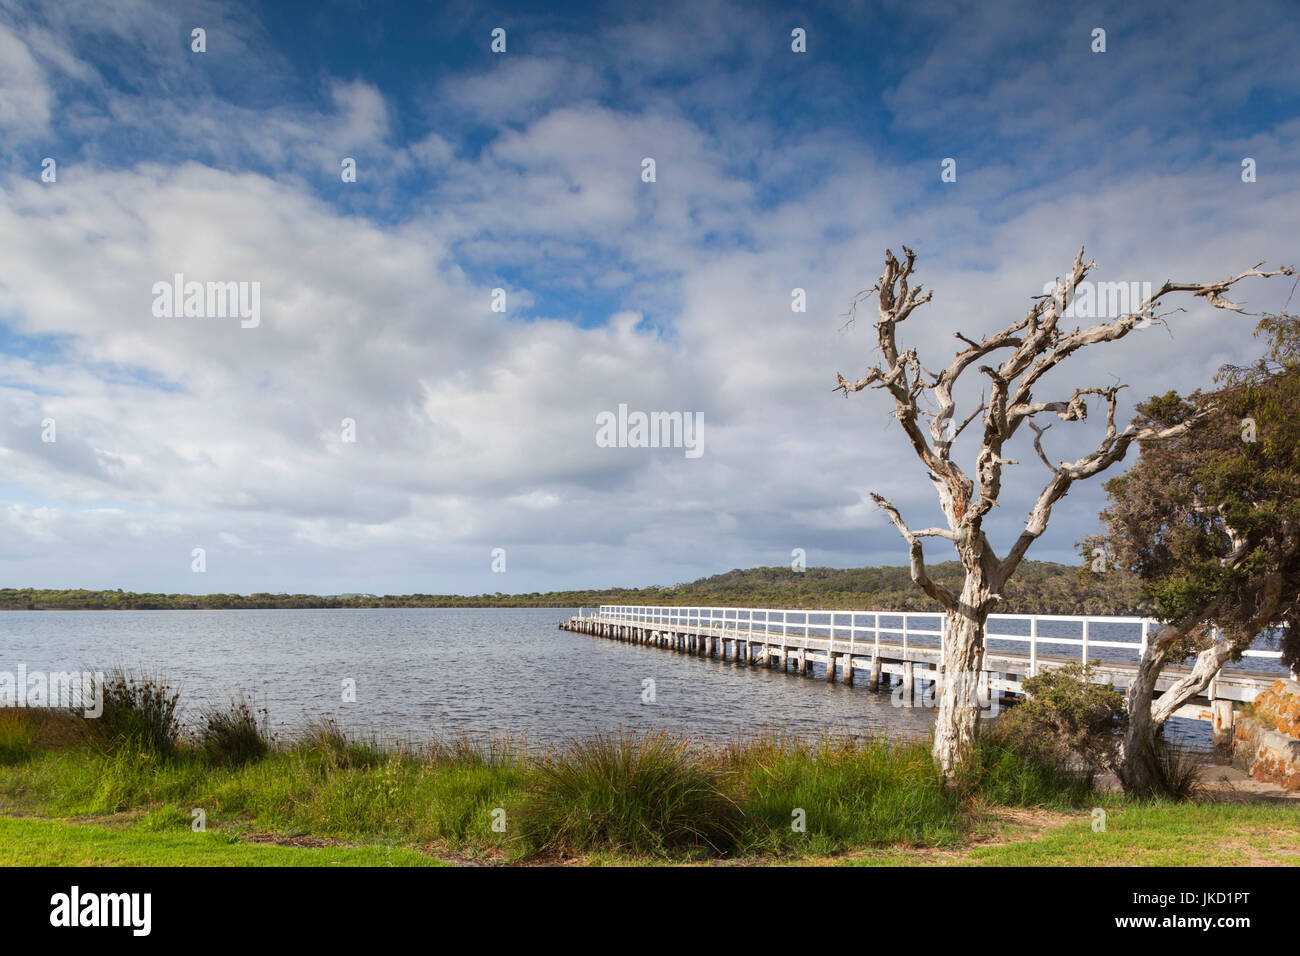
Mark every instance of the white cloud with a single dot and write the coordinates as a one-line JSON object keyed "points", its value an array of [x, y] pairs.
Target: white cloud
{"points": [[24, 92], [476, 430]]}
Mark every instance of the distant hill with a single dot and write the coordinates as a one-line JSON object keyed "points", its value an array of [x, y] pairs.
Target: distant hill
{"points": [[1039, 587]]}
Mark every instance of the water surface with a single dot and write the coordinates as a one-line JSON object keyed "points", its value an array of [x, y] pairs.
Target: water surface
{"points": [[423, 671]]}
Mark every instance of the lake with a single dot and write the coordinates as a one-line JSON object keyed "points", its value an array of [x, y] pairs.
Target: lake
{"points": [[423, 671]]}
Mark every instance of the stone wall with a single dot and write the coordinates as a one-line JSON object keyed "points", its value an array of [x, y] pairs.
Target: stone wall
{"points": [[1266, 741]]}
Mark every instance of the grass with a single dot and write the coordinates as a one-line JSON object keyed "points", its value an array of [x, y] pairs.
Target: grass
{"points": [[236, 733], [641, 796], [140, 714], [30, 842], [830, 793], [1161, 833], [617, 798]]}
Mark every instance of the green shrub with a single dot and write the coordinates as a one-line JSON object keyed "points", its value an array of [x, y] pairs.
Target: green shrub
{"points": [[1066, 723], [641, 795]]}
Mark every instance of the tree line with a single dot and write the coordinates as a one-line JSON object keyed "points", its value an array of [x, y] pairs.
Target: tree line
{"points": [[1041, 587]]}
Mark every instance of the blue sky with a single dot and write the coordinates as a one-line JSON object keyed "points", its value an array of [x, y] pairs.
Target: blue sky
{"points": [[522, 171]]}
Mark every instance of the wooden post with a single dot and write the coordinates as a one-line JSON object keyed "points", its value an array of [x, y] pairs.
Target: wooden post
{"points": [[1033, 645], [874, 682], [848, 669], [830, 668], [1221, 726], [909, 681]]}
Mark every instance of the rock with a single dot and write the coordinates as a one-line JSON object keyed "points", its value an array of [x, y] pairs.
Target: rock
{"points": [[1266, 741]]}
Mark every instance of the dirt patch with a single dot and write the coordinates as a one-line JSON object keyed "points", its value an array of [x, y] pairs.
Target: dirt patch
{"points": [[298, 840], [1227, 784]]}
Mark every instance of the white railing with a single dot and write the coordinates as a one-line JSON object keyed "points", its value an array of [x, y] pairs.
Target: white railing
{"points": [[847, 625]]}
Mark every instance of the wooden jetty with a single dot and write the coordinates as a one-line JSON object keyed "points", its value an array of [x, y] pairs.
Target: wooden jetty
{"points": [[907, 646]]}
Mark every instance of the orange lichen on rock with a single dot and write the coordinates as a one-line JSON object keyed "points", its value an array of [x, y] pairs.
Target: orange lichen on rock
{"points": [[1266, 741]]}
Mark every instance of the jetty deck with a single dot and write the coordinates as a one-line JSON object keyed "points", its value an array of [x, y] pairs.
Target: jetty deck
{"points": [[904, 648]]}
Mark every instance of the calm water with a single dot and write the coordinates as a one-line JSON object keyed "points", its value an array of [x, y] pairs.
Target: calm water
{"points": [[422, 671]]}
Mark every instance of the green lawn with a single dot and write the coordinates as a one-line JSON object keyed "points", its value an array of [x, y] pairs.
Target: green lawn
{"points": [[1187, 834], [32, 842], [1156, 834], [1193, 834]]}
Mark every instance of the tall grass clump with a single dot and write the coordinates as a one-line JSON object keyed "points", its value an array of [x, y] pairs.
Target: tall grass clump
{"points": [[140, 714], [333, 748], [17, 737], [28, 731], [648, 795], [1178, 776], [829, 793], [233, 734], [1001, 772]]}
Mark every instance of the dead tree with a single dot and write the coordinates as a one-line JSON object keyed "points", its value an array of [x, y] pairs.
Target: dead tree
{"points": [[927, 412]]}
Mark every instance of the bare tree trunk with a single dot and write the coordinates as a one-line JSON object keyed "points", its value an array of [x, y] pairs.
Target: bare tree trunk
{"points": [[1138, 769], [957, 722]]}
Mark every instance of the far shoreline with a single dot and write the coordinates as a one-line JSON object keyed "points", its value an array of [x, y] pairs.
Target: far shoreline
{"points": [[1040, 587]]}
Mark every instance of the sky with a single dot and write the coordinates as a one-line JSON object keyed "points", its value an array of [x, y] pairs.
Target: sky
{"points": [[148, 449]]}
